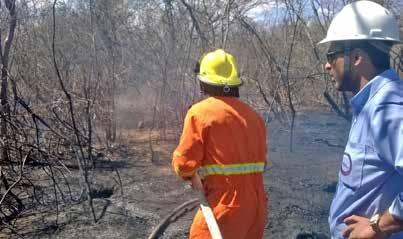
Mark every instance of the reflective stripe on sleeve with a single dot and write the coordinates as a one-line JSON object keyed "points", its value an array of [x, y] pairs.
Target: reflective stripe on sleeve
{"points": [[232, 169]]}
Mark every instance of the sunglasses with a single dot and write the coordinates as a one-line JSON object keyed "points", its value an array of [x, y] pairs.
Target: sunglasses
{"points": [[332, 55]]}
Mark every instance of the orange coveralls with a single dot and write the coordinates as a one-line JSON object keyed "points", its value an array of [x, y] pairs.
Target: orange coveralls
{"points": [[225, 140]]}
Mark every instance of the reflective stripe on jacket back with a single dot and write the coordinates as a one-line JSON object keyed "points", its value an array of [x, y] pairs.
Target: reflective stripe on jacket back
{"points": [[232, 169]]}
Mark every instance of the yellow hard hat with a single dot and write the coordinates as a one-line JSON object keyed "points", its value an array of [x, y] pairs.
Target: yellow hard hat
{"points": [[219, 68]]}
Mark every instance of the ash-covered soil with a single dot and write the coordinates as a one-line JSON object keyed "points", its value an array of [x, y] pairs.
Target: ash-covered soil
{"points": [[300, 185]]}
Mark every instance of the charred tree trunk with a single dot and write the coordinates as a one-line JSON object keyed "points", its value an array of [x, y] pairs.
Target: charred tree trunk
{"points": [[5, 107]]}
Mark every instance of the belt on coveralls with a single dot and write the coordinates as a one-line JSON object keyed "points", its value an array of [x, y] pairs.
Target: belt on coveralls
{"points": [[231, 169]]}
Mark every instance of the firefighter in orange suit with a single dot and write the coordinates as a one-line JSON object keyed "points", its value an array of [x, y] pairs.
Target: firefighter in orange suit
{"points": [[224, 141]]}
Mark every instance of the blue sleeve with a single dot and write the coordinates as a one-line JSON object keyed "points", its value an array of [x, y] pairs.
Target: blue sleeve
{"points": [[388, 134]]}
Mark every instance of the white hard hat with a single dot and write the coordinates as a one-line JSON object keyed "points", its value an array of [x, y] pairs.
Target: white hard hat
{"points": [[363, 20]]}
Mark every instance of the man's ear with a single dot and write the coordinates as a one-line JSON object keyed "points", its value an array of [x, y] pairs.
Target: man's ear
{"points": [[358, 57]]}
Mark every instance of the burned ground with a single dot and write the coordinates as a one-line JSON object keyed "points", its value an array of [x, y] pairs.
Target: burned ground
{"points": [[299, 184]]}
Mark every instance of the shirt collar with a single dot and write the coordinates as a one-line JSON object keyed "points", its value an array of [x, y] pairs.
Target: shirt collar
{"points": [[370, 89]]}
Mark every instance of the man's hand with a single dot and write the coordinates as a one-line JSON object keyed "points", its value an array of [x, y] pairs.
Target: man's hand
{"points": [[360, 228], [196, 183]]}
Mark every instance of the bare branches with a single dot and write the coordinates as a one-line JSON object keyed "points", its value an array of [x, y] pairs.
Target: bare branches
{"points": [[16, 181], [83, 164], [5, 107], [10, 5], [205, 41]]}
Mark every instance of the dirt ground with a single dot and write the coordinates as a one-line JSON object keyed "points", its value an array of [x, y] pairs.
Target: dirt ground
{"points": [[299, 184]]}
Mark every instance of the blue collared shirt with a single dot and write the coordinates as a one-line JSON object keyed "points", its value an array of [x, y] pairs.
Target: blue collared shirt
{"points": [[371, 171]]}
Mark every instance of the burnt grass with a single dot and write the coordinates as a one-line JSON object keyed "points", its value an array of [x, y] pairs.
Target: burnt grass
{"points": [[299, 184]]}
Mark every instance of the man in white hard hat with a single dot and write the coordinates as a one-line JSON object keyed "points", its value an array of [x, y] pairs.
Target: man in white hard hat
{"points": [[368, 202]]}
